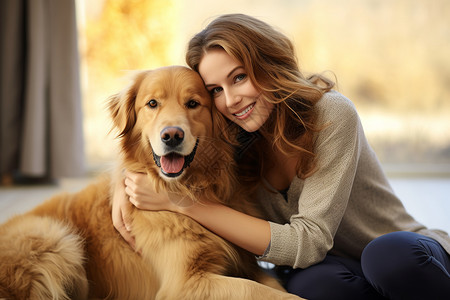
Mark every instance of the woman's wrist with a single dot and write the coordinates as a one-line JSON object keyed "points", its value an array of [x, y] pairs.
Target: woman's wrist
{"points": [[187, 207], [179, 203]]}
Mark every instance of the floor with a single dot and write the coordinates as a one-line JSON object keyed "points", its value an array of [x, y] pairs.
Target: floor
{"points": [[18, 199], [427, 198]]}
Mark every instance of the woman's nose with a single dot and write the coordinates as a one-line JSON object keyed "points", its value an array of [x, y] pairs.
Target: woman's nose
{"points": [[232, 99]]}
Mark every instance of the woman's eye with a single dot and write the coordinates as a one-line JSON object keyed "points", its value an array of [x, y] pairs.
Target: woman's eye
{"points": [[239, 77], [152, 103], [216, 90], [192, 104]]}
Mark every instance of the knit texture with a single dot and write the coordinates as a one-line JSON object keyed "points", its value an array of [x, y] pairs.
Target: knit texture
{"points": [[344, 205]]}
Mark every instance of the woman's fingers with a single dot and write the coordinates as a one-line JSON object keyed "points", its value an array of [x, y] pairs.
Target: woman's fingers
{"points": [[137, 178], [125, 230], [122, 228], [126, 210], [121, 213], [137, 184]]}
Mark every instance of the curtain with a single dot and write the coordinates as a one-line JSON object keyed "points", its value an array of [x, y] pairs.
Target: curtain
{"points": [[41, 117]]}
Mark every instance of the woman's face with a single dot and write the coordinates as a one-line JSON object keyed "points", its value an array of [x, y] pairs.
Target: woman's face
{"points": [[233, 92]]}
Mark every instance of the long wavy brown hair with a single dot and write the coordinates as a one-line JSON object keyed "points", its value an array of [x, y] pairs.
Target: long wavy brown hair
{"points": [[269, 59]]}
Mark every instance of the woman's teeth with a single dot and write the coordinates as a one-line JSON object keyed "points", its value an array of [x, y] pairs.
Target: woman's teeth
{"points": [[245, 111]]}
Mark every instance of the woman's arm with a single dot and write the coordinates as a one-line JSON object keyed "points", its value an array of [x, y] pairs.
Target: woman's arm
{"points": [[247, 232]]}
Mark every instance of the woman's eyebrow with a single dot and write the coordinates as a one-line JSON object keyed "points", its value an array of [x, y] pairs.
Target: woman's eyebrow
{"points": [[232, 71]]}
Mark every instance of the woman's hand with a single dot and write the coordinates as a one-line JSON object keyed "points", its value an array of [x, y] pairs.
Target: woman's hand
{"points": [[134, 189], [121, 212], [142, 195]]}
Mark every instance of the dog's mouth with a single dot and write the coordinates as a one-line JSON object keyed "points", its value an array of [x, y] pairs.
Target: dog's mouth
{"points": [[173, 164]]}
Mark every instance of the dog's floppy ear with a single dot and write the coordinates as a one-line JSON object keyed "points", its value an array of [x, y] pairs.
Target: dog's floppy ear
{"points": [[121, 105]]}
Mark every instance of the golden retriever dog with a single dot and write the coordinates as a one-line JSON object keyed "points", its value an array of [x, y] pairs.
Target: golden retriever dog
{"points": [[67, 248]]}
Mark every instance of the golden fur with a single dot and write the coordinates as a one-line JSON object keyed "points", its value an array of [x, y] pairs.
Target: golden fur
{"points": [[67, 248]]}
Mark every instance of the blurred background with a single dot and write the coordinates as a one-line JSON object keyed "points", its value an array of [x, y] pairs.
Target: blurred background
{"points": [[390, 57]]}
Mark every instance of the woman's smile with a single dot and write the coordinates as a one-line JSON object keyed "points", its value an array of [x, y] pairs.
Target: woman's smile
{"points": [[245, 113]]}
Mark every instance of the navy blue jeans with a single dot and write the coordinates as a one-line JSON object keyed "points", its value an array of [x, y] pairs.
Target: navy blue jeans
{"points": [[398, 265]]}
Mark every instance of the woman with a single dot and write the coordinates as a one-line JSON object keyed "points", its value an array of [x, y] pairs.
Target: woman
{"points": [[331, 219]]}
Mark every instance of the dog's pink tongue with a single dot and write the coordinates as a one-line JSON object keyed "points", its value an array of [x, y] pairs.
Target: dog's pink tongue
{"points": [[172, 163]]}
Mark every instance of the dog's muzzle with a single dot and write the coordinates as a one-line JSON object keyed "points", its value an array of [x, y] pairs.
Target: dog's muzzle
{"points": [[173, 164]]}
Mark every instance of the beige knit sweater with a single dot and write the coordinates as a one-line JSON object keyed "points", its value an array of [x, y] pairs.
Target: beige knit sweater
{"points": [[344, 205]]}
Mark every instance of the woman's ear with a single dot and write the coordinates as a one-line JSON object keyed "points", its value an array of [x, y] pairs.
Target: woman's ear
{"points": [[122, 106]]}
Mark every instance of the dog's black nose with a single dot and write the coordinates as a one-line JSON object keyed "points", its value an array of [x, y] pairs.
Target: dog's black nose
{"points": [[172, 136]]}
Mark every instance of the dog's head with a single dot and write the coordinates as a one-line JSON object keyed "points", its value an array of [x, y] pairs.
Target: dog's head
{"points": [[165, 123]]}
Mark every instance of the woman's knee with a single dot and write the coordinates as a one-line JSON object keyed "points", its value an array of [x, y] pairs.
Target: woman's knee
{"points": [[391, 255], [335, 278], [396, 252], [402, 262]]}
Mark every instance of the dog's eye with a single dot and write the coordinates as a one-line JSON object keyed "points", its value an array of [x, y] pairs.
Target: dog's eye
{"points": [[152, 103], [192, 104]]}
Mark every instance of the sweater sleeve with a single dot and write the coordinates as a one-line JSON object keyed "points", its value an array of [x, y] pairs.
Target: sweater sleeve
{"points": [[323, 200]]}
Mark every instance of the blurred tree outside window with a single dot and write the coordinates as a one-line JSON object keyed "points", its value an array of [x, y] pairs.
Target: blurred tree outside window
{"points": [[118, 37]]}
